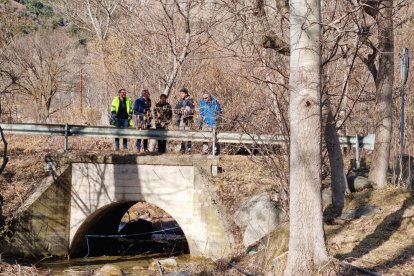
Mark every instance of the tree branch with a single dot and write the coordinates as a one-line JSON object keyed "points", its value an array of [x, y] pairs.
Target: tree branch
{"points": [[5, 157], [371, 7], [370, 60], [272, 41]]}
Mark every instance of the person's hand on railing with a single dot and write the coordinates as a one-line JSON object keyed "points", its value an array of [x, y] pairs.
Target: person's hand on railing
{"points": [[114, 119]]}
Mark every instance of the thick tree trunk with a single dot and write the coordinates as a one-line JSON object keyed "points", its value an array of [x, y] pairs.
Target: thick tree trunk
{"points": [[306, 242], [338, 178], [384, 86]]}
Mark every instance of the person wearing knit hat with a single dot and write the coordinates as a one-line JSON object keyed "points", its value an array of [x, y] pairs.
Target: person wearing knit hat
{"points": [[184, 113]]}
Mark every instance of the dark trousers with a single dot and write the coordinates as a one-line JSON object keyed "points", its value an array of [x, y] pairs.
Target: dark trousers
{"points": [[121, 123], [162, 146], [141, 142], [186, 146]]}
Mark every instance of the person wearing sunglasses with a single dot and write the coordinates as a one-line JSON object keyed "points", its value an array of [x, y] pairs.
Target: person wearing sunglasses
{"points": [[121, 115]]}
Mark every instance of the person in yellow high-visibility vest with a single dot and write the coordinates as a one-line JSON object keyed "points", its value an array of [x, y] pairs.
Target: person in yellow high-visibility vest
{"points": [[121, 115]]}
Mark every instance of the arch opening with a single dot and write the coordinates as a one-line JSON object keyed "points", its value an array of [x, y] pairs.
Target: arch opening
{"points": [[129, 228]]}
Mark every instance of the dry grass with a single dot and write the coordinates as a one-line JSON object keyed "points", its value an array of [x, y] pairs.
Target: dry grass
{"points": [[382, 241], [17, 270]]}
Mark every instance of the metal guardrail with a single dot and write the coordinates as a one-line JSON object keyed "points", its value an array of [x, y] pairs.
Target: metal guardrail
{"points": [[67, 130], [366, 142]]}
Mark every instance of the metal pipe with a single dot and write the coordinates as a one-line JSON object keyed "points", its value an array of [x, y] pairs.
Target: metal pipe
{"points": [[81, 91], [404, 77]]}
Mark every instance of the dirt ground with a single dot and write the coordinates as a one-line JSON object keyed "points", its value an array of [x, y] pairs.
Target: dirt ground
{"points": [[380, 242]]}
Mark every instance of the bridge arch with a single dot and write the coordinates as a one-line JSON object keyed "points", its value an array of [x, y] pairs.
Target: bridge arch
{"points": [[85, 188], [101, 227]]}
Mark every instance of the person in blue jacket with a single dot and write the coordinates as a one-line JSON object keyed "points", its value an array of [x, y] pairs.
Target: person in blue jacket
{"points": [[142, 110], [209, 117]]}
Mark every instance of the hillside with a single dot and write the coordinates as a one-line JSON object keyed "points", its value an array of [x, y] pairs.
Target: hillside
{"points": [[378, 239], [24, 17]]}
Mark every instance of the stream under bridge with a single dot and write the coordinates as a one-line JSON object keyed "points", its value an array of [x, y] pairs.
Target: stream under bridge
{"points": [[89, 194]]}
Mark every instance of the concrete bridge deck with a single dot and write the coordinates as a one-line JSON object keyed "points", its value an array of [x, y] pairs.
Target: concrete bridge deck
{"points": [[89, 194]]}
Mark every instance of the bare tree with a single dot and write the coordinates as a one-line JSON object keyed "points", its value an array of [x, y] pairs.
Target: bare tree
{"points": [[306, 242], [96, 18], [6, 81], [93, 16], [184, 13], [382, 11], [40, 66], [166, 33]]}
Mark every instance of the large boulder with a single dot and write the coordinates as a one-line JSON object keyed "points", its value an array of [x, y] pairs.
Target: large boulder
{"points": [[258, 216], [326, 197], [358, 183], [162, 264], [108, 270]]}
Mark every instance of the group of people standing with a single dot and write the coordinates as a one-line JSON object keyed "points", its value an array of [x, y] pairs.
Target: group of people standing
{"points": [[123, 112]]}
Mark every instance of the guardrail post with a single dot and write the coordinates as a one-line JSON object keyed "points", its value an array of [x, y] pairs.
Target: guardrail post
{"points": [[65, 145], [357, 161], [214, 138], [214, 166]]}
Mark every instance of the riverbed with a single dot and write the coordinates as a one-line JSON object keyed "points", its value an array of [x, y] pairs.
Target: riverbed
{"points": [[130, 265]]}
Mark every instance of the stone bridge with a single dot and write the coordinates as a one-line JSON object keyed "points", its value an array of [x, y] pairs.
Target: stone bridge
{"points": [[89, 194]]}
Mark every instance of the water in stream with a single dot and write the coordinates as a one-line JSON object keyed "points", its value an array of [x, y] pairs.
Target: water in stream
{"points": [[136, 245], [132, 255], [131, 265]]}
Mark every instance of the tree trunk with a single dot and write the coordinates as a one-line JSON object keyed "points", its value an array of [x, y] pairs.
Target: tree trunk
{"points": [[306, 241], [338, 178], [105, 96], [179, 58], [384, 86]]}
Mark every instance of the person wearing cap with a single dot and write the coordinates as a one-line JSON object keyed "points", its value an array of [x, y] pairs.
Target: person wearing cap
{"points": [[184, 113], [121, 115], [163, 116], [142, 110], [209, 117]]}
